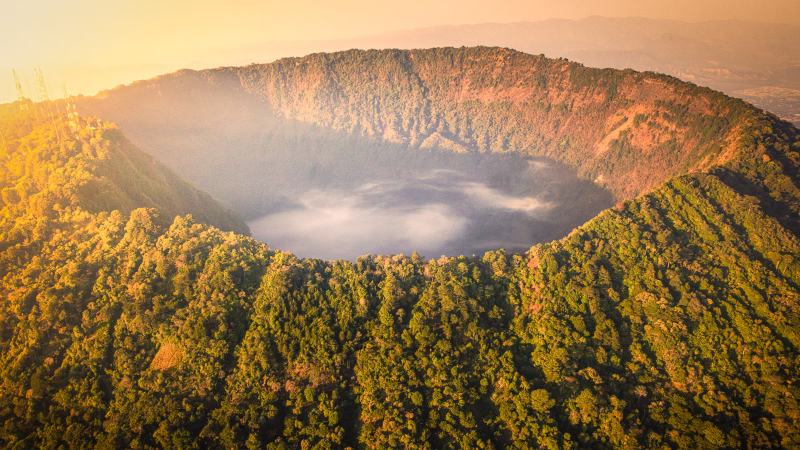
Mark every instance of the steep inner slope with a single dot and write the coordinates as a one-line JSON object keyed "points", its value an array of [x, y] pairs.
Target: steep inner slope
{"points": [[626, 130], [266, 139]]}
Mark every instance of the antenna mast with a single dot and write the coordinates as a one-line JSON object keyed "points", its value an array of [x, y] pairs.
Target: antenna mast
{"points": [[18, 85], [45, 102]]}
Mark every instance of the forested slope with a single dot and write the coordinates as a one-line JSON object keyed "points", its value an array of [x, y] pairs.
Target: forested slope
{"points": [[671, 321], [628, 131], [54, 159]]}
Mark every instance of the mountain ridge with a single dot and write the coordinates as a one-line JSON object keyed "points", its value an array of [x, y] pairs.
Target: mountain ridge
{"points": [[551, 120]]}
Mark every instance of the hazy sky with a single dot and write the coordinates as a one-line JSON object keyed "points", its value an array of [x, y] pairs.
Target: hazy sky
{"points": [[91, 44]]}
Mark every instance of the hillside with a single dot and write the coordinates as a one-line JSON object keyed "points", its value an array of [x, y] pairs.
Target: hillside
{"points": [[669, 321], [627, 131], [56, 160]]}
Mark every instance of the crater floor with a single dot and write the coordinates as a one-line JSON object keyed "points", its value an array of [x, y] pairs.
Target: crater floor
{"points": [[485, 203]]}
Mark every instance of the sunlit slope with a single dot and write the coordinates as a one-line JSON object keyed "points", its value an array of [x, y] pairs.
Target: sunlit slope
{"points": [[670, 322], [626, 130], [54, 161]]}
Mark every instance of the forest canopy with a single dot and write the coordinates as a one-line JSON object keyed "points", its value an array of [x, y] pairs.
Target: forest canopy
{"points": [[131, 319]]}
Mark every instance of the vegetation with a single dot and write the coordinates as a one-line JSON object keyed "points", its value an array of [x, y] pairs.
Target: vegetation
{"points": [[671, 321], [500, 100], [331, 107], [53, 158]]}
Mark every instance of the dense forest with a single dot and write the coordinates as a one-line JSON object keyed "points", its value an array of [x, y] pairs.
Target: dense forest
{"points": [[132, 319]]}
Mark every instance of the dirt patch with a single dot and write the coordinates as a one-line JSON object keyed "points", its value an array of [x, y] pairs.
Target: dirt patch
{"points": [[167, 357]]}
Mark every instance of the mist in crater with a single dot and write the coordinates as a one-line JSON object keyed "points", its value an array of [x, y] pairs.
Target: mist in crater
{"points": [[439, 212], [345, 225]]}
